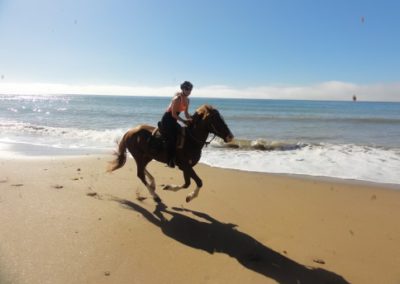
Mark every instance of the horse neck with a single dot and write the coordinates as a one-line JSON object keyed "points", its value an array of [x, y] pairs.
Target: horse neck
{"points": [[199, 134]]}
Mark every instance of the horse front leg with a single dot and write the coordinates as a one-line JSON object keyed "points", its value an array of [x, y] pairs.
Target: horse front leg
{"points": [[192, 174]]}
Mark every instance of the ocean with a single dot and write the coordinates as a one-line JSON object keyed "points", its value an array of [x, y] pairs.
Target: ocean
{"points": [[347, 140]]}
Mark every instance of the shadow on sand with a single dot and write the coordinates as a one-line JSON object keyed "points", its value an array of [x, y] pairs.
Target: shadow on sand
{"points": [[213, 236]]}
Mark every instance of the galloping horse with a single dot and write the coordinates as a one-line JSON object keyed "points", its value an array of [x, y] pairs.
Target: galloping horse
{"points": [[206, 120]]}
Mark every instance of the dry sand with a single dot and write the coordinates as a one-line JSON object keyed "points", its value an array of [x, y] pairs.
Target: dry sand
{"points": [[64, 220]]}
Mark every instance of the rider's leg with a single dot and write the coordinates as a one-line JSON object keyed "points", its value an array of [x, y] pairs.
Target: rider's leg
{"points": [[171, 127]]}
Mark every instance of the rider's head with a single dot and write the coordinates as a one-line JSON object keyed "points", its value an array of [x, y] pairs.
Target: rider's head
{"points": [[187, 86]]}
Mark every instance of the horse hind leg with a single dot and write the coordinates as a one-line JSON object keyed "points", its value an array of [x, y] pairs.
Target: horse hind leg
{"points": [[152, 186], [142, 172]]}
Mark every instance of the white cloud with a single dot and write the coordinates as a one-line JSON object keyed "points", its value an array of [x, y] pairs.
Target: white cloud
{"points": [[59, 89], [332, 90], [324, 91]]}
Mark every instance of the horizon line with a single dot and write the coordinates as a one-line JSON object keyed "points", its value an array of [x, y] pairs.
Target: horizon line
{"points": [[324, 91]]}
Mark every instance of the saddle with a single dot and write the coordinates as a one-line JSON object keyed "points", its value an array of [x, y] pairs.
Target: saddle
{"points": [[158, 141]]}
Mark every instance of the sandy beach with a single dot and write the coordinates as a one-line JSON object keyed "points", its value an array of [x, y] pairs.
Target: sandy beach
{"points": [[65, 220]]}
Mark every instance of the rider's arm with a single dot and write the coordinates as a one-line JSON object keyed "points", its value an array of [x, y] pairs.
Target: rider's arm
{"points": [[187, 115]]}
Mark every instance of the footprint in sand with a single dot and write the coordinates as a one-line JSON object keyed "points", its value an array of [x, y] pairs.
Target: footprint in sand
{"points": [[318, 260], [94, 195], [141, 198], [57, 186]]}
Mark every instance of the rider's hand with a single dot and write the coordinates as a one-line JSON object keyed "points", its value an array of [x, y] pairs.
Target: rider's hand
{"points": [[189, 121]]}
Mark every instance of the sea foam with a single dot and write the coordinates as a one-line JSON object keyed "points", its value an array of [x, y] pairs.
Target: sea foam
{"points": [[327, 160]]}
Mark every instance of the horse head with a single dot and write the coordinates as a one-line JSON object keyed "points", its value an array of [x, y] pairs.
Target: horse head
{"points": [[214, 122]]}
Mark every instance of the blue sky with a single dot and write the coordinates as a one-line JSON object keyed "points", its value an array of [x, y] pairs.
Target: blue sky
{"points": [[271, 49]]}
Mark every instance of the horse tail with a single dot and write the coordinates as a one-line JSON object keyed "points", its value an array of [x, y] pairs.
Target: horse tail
{"points": [[120, 160]]}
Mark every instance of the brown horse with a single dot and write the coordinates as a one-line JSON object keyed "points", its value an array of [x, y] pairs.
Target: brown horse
{"points": [[206, 120]]}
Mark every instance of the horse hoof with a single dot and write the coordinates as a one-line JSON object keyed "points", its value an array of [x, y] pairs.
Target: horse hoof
{"points": [[157, 199]]}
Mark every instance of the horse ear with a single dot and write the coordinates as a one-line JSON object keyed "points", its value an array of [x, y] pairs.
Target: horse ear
{"points": [[203, 113]]}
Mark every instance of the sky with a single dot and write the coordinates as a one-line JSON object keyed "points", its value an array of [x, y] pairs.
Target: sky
{"points": [[273, 49]]}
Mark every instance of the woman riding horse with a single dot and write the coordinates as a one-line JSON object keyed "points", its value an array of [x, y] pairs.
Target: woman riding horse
{"points": [[205, 120]]}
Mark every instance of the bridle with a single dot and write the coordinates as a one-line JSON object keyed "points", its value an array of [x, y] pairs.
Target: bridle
{"points": [[206, 143], [215, 132]]}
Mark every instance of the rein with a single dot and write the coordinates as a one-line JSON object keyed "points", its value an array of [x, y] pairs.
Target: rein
{"points": [[206, 143], [215, 134]]}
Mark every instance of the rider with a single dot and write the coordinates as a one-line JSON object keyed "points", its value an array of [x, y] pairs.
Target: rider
{"points": [[169, 121]]}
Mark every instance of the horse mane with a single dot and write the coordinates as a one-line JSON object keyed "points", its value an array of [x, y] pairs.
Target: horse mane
{"points": [[204, 110]]}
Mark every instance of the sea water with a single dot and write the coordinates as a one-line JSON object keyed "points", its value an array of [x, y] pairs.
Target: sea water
{"points": [[350, 140]]}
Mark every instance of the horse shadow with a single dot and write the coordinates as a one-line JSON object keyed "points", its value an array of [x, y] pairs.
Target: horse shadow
{"points": [[213, 236]]}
